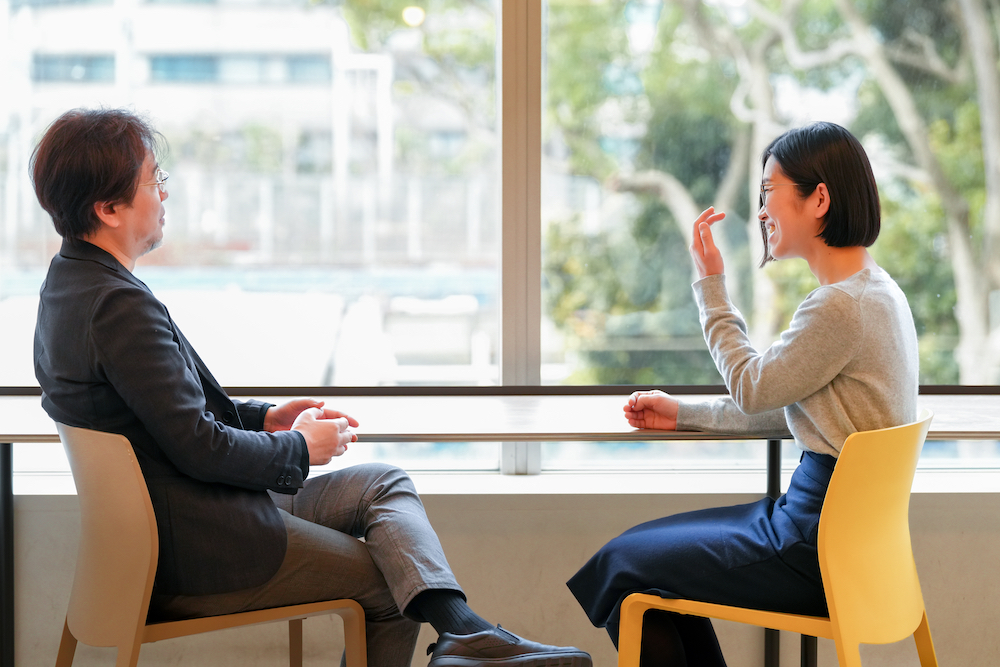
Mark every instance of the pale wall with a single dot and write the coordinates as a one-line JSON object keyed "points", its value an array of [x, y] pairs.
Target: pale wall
{"points": [[513, 554]]}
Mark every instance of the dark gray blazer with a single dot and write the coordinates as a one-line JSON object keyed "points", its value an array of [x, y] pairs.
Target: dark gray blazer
{"points": [[108, 357]]}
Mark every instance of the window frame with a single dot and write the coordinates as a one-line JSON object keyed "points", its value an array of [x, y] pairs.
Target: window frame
{"points": [[520, 318]]}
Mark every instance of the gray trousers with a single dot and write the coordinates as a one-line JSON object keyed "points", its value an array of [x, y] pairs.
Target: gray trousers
{"points": [[399, 557]]}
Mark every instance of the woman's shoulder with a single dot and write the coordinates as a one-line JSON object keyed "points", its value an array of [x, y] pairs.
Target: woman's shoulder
{"points": [[865, 284], [865, 297]]}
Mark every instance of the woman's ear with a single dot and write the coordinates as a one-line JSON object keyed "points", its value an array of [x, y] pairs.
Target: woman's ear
{"points": [[822, 200]]}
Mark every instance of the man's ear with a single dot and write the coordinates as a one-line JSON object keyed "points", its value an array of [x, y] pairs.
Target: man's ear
{"points": [[105, 211]]}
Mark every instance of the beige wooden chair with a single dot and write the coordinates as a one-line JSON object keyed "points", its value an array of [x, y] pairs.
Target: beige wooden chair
{"points": [[865, 558], [117, 562]]}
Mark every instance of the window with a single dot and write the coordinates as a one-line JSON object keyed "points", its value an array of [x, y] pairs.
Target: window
{"points": [[67, 68], [343, 159], [656, 110], [348, 155], [247, 69], [188, 69]]}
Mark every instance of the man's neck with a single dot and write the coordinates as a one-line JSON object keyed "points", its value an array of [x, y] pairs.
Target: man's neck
{"points": [[108, 243]]}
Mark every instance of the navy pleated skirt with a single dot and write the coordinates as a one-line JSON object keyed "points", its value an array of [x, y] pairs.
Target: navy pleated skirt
{"points": [[760, 555]]}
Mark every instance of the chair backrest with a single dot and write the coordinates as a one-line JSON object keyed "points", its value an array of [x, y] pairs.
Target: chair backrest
{"points": [[865, 553], [118, 551]]}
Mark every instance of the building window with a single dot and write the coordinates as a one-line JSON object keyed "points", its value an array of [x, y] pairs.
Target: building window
{"points": [[72, 68], [183, 69]]}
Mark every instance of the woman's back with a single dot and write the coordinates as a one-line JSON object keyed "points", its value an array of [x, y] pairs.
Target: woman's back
{"points": [[867, 314]]}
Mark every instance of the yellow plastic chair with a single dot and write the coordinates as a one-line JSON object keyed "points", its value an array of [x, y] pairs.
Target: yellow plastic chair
{"points": [[117, 561], [865, 558]]}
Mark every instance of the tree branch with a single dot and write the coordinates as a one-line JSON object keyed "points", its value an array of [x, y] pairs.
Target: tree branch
{"points": [[797, 58], [668, 189], [920, 52]]}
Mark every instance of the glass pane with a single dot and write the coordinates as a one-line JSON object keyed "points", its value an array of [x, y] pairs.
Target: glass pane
{"points": [[333, 210], [655, 110], [663, 456], [421, 457]]}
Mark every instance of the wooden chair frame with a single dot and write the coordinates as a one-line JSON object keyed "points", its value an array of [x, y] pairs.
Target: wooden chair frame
{"points": [[117, 561]]}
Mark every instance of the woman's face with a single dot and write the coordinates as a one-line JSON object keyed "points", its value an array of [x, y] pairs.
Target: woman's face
{"points": [[792, 222]]}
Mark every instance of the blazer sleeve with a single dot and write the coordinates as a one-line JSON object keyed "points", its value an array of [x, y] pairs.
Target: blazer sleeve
{"points": [[252, 413], [136, 347]]}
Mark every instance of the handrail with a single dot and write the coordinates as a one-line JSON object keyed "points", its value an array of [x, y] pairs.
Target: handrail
{"points": [[516, 390]]}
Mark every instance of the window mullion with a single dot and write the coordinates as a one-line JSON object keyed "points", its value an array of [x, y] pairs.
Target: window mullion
{"points": [[520, 304]]}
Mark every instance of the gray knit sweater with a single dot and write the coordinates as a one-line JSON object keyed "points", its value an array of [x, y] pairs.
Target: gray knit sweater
{"points": [[848, 362]]}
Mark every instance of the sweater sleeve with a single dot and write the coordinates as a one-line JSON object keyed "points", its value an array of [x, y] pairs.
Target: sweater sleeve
{"points": [[806, 358], [720, 415]]}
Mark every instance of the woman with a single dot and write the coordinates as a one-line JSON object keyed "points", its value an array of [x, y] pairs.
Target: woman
{"points": [[848, 362]]}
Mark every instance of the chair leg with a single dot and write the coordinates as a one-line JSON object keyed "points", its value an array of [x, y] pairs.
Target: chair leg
{"points": [[848, 655], [772, 647], [630, 632], [925, 645], [128, 654], [355, 648], [808, 655], [67, 648], [295, 642]]}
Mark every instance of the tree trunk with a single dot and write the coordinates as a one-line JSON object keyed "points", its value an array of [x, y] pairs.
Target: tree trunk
{"points": [[971, 313]]}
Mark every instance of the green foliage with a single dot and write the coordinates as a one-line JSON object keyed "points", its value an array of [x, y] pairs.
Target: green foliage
{"points": [[793, 281], [253, 147], [621, 296], [622, 299], [958, 146], [263, 148], [894, 20], [583, 41], [912, 247], [690, 130]]}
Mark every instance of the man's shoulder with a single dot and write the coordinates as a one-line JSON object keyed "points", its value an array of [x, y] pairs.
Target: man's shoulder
{"points": [[81, 267], [77, 288]]}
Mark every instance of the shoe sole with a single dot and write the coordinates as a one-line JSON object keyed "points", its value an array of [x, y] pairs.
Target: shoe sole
{"points": [[528, 660]]}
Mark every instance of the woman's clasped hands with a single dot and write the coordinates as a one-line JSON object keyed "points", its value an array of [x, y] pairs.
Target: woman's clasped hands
{"points": [[652, 409]]}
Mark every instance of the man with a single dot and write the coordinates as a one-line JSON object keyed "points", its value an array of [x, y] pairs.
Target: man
{"points": [[240, 525]]}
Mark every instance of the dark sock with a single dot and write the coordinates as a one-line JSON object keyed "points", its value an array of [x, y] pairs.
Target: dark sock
{"points": [[661, 646], [447, 611], [676, 640], [701, 645]]}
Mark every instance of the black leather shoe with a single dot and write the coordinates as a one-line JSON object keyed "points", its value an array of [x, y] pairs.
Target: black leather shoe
{"points": [[498, 648]]}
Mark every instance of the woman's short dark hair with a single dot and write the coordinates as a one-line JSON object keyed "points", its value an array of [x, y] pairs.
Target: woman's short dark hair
{"points": [[828, 153], [88, 156]]}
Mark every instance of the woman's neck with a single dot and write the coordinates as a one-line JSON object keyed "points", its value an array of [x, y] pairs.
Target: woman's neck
{"points": [[832, 265]]}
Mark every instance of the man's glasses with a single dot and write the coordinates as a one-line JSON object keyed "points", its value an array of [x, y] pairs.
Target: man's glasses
{"points": [[162, 176]]}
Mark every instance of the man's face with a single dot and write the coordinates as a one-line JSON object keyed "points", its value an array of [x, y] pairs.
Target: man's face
{"points": [[143, 219]]}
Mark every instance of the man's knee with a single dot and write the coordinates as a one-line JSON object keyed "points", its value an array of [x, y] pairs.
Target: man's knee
{"points": [[388, 478], [384, 474]]}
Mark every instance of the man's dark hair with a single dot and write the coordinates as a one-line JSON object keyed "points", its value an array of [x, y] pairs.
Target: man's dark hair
{"points": [[88, 156], [828, 153]]}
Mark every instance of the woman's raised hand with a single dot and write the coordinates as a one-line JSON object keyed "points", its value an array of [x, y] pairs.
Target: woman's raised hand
{"points": [[707, 258], [652, 409]]}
